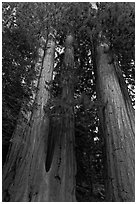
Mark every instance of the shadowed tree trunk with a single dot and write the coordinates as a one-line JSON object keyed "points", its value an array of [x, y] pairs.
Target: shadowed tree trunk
{"points": [[29, 174], [60, 161], [24, 175], [117, 119]]}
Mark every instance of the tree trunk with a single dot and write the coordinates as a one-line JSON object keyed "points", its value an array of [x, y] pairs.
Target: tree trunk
{"points": [[117, 119], [24, 175], [61, 173]]}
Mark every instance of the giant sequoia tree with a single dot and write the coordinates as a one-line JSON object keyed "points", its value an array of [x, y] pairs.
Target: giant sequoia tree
{"points": [[118, 121], [117, 116], [79, 103]]}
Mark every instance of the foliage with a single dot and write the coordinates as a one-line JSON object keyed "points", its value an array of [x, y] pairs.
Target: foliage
{"points": [[18, 69], [117, 21]]}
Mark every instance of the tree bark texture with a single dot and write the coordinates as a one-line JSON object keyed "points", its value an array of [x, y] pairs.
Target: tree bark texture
{"points": [[24, 175], [61, 175], [118, 123]]}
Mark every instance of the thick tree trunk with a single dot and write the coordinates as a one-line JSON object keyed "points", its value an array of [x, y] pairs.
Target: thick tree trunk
{"points": [[117, 118], [61, 173], [24, 175]]}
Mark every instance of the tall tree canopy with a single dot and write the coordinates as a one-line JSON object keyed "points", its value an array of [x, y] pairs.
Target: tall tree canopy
{"points": [[25, 27]]}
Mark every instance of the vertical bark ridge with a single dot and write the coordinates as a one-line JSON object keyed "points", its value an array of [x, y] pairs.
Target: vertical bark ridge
{"points": [[118, 122], [61, 176], [27, 165]]}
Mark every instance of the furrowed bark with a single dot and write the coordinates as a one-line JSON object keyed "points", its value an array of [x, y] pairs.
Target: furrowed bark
{"points": [[118, 122], [61, 176], [24, 175]]}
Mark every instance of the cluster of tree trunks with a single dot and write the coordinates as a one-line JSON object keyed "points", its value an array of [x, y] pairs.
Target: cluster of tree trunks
{"points": [[41, 164], [25, 177]]}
